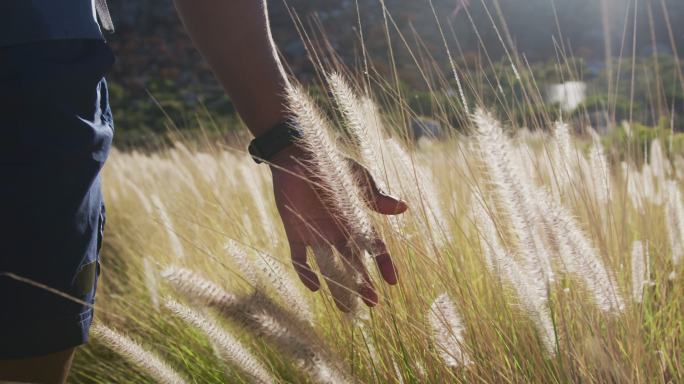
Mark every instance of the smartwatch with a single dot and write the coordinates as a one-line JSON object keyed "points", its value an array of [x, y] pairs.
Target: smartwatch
{"points": [[279, 137]]}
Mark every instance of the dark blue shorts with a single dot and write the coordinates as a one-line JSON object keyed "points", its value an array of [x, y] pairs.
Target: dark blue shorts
{"points": [[55, 133]]}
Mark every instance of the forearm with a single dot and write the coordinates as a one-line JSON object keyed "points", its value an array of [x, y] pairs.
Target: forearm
{"points": [[234, 37]]}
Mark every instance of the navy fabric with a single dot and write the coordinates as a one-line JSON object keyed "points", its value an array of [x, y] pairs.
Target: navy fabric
{"points": [[25, 21], [55, 133]]}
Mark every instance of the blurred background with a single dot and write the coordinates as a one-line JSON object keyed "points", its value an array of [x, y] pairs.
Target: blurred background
{"points": [[606, 60]]}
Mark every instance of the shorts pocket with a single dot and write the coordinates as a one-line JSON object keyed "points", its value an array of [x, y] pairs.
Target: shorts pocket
{"points": [[86, 278]]}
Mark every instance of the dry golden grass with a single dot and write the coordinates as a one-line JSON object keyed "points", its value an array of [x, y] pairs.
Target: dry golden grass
{"points": [[181, 206]]}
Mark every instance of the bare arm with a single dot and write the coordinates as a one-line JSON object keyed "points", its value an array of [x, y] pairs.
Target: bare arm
{"points": [[235, 39]]}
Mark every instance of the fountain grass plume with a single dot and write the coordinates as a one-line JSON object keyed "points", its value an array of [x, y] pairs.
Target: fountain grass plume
{"points": [[634, 185], [353, 110], [147, 361], [578, 255], [263, 271], [531, 291], [375, 130], [513, 194], [397, 372], [488, 235], [363, 122], [227, 346], [447, 331], [292, 337], [437, 221], [659, 162], [653, 191], [196, 287], [600, 172], [639, 278], [674, 220], [285, 286], [242, 261], [562, 154], [400, 175], [365, 126], [418, 186], [340, 189]]}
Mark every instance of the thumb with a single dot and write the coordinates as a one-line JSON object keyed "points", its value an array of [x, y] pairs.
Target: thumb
{"points": [[387, 204], [375, 198]]}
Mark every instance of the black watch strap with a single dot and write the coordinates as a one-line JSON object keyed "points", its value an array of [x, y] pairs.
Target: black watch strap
{"points": [[274, 140]]}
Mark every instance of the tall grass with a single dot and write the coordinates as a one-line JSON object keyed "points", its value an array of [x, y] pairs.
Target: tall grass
{"points": [[525, 256], [453, 318]]}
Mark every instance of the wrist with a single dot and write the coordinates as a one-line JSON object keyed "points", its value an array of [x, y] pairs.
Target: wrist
{"points": [[266, 146], [290, 156]]}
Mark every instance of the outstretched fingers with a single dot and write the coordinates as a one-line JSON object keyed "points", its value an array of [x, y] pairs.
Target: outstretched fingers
{"points": [[337, 277], [301, 266], [384, 261], [363, 283]]}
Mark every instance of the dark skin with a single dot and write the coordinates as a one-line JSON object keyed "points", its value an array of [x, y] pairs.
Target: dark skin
{"points": [[234, 38], [51, 368], [257, 86], [308, 222]]}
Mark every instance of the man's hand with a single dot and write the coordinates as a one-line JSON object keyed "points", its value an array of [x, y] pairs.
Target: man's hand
{"points": [[309, 223], [234, 37]]}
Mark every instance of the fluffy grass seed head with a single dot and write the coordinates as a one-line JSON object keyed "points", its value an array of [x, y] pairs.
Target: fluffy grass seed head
{"points": [[447, 331], [196, 287], [147, 361], [228, 347], [639, 278]]}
